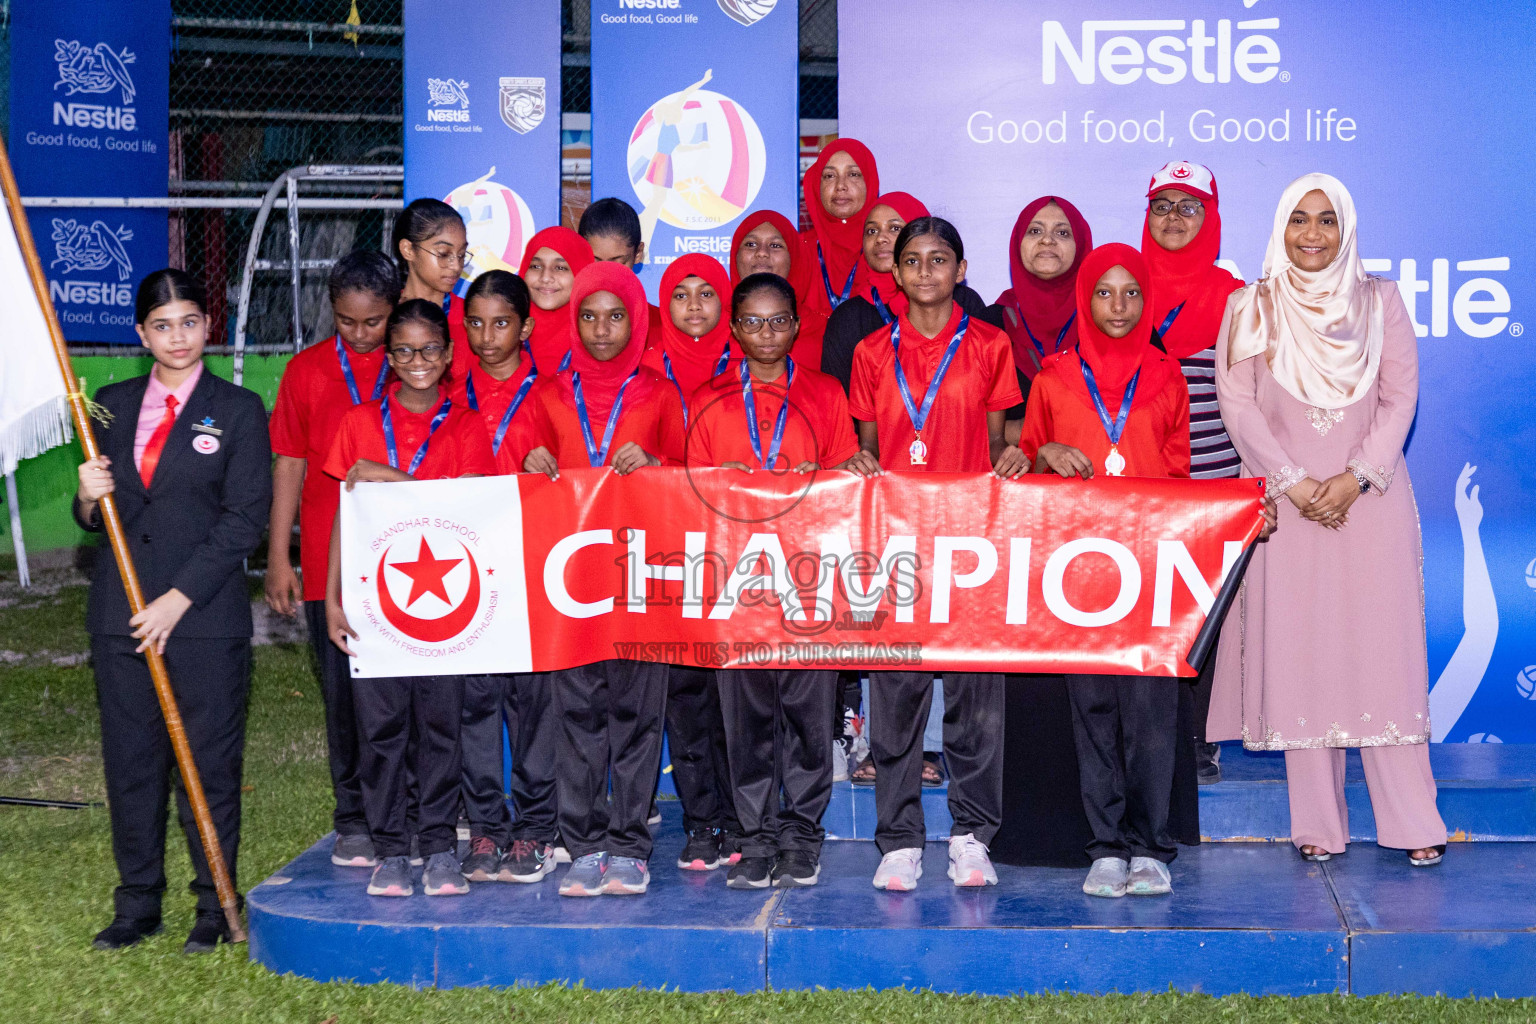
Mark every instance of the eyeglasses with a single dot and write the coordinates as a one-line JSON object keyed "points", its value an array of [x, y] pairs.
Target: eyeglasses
{"points": [[753, 324], [448, 259], [405, 356], [1186, 207]]}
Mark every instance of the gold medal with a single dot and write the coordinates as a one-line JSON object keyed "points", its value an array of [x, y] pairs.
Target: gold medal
{"points": [[1114, 462]]}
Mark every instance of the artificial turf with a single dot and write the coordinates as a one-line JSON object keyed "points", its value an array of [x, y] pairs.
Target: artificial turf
{"points": [[56, 879]]}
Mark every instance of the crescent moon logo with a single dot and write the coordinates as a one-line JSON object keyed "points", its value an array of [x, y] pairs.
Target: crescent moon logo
{"points": [[436, 630]]}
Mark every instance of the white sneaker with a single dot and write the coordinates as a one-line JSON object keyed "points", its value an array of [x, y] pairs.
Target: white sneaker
{"points": [[969, 863], [561, 855], [840, 760], [1107, 878], [1148, 877], [899, 870]]}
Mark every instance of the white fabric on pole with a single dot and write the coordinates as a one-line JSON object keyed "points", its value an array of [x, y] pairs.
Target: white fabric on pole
{"points": [[34, 415], [14, 504]]}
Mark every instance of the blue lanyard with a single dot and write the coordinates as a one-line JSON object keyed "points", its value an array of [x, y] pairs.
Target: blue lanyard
{"points": [[421, 453], [919, 416], [1173, 314], [565, 362], [517, 401], [885, 314], [666, 362], [447, 302], [1061, 334], [596, 456], [1118, 427], [833, 297], [346, 372], [778, 424]]}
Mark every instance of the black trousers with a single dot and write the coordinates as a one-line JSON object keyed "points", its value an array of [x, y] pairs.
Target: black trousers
{"points": [[973, 751], [388, 710], [523, 701], [211, 679], [1127, 731], [696, 742], [608, 747], [778, 728], [340, 724]]}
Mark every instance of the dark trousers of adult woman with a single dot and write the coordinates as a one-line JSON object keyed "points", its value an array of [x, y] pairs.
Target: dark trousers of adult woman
{"points": [[973, 752], [608, 747], [696, 743], [524, 703], [211, 680], [779, 737], [387, 711], [340, 724]]}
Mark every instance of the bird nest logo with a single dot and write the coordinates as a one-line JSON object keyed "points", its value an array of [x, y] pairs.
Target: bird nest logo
{"points": [[430, 593], [448, 100], [93, 70], [497, 221], [748, 12], [77, 248], [696, 160]]}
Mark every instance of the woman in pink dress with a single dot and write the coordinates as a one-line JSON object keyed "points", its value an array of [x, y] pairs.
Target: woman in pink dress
{"points": [[1318, 382]]}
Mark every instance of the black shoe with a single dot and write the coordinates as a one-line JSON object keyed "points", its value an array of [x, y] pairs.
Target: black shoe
{"points": [[730, 846], [702, 852], [751, 873], [1208, 763], [126, 931], [796, 868], [208, 931]]}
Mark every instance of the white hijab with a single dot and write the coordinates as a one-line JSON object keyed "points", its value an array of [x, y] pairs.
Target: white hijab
{"points": [[1319, 331]]}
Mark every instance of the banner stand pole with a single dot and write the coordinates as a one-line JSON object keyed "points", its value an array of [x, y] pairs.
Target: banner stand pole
{"points": [[190, 779], [1205, 640]]}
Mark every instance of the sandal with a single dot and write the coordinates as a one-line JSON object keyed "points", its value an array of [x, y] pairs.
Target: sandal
{"points": [[864, 774], [1428, 862], [933, 772], [1318, 856]]}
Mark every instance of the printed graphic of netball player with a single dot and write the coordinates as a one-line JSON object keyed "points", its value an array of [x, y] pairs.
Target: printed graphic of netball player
{"points": [[659, 170]]}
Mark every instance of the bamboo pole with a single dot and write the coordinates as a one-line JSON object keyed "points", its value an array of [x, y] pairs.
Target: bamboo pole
{"points": [[190, 779]]}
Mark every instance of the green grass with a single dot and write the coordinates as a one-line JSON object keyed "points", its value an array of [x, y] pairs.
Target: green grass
{"points": [[56, 880]]}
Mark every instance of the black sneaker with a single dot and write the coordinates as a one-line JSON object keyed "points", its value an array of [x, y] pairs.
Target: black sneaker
{"points": [[126, 931], [208, 931], [484, 860], [1208, 763], [751, 873], [702, 852], [795, 868], [527, 860], [730, 846]]}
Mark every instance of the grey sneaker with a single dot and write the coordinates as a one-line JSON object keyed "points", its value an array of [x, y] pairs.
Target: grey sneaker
{"points": [[627, 876], [484, 860], [1148, 877], [585, 876], [443, 876], [1107, 878], [354, 852], [391, 878]]}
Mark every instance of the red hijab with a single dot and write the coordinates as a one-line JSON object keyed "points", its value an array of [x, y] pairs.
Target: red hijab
{"points": [[1046, 306], [840, 240], [601, 381], [1189, 276], [554, 329], [693, 359], [1115, 361], [799, 264], [908, 207]]}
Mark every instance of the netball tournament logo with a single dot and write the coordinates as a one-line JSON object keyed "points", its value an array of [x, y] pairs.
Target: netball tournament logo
{"points": [[696, 160], [497, 221], [748, 12], [522, 103], [430, 593]]}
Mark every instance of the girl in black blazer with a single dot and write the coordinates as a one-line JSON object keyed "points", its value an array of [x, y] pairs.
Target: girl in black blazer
{"points": [[187, 456]]}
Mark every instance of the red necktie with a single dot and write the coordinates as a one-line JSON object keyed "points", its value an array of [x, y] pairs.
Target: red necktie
{"points": [[156, 445]]}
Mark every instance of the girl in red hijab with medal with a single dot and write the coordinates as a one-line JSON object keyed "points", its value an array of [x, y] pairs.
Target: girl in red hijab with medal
{"points": [[1115, 405], [930, 393], [695, 344], [766, 242], [839, 188], [551, 262]]}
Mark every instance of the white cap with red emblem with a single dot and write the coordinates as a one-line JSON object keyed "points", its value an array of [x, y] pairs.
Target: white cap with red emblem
{"points": [[1196, 179]]}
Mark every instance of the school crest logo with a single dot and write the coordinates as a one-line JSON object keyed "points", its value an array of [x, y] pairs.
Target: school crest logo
{"points": [[78, 248], [522, 103], [497, 221], [93, 70], [430, 592], [747, 12]]}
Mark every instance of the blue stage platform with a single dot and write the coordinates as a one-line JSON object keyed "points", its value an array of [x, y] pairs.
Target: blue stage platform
{"points": [[1244, 917]]}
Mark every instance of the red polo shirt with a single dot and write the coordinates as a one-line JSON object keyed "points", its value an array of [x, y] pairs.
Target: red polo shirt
{"points": [[981, 379], [653, 419], [492, 399], [460, 447], [818, 427]]}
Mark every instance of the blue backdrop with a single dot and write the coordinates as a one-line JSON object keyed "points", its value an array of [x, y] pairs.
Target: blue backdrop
{"points": [[482, 119], [1423, 109], [695, 117], [90, 111]]}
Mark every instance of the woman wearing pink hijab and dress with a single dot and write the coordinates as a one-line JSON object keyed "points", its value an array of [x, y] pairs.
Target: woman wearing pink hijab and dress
{"points": [[1317, 376]]}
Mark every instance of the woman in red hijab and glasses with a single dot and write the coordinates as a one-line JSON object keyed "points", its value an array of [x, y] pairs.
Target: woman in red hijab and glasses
{"points": [[1180, 242], [840, 189]]}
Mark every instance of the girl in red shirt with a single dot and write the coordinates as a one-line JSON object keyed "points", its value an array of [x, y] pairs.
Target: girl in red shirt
{"points": [[1117, 405], [930, 393], [551, 262], [431, 245], [412, 433], [606, 409]]}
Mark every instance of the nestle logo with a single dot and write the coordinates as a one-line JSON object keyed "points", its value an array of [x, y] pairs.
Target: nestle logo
{"points": [[95, 115], [1165, 59], [650, 5]]}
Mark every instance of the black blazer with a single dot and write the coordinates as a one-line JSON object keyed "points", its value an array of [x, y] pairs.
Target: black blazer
{"points": [[201, 517]]}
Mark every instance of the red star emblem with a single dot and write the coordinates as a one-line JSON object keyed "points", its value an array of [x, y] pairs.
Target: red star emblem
{"points": [[426, 574], [363, 578], [490, 572]]}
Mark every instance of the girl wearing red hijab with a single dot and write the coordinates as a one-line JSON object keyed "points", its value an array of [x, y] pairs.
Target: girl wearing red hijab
{"points": [[1116, 405], [605, 409], [551, 262], [1049, 243], [695, 344], [840, 188], [766, 242]]}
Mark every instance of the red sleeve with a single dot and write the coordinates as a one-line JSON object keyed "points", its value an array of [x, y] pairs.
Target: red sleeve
{"points": [[1176, 441], [699, 449], [474, 444], [1004, 393], [1038, 426], [290, 415], [540, 428], [343, 454], [861, 388], [670, 430], [838, 441]]}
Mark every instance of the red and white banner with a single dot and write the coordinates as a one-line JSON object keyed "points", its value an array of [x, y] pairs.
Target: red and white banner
{"points": [[718, 568]]}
